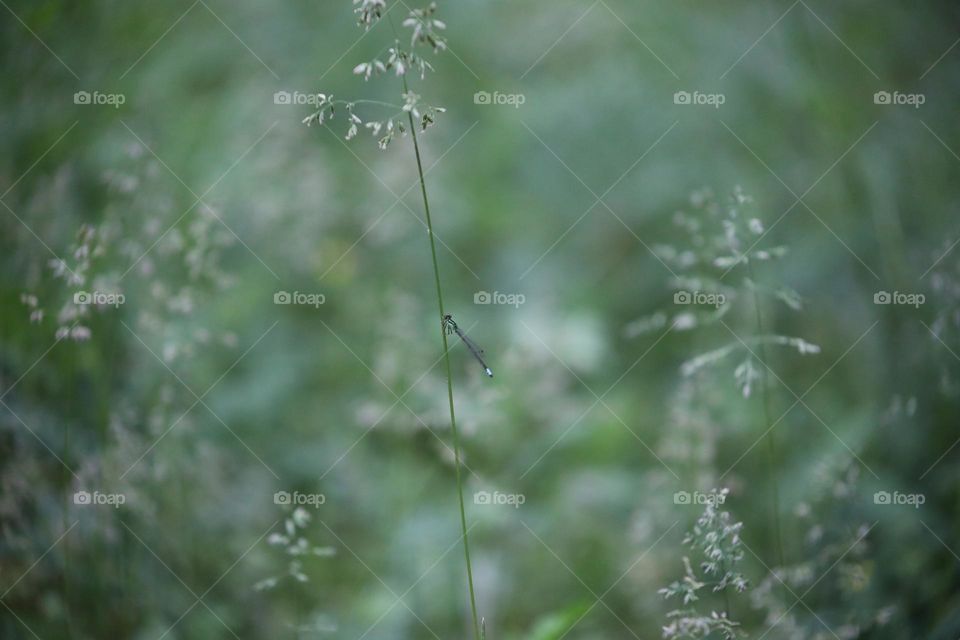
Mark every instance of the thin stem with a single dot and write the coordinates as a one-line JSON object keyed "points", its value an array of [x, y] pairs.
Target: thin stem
{"points": [[771, 445], [446, 358], [726, 596], [66, 547]]}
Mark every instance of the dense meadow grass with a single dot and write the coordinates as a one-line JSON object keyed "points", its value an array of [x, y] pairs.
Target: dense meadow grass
{"points": [[583, 319]]}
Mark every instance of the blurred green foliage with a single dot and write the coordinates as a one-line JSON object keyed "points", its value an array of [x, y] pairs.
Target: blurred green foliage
{"points": [[199, 398]]}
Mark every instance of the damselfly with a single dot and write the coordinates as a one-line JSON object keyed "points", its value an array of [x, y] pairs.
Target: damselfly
{"points": [[451, 327]]}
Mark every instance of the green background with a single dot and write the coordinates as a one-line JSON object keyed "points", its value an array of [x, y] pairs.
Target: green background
{"points": [[348, 399]]}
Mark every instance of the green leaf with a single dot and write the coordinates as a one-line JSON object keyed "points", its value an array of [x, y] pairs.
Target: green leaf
{"points": [[554, 625]]}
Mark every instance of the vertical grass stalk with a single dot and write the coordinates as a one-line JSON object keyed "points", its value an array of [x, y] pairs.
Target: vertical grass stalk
{"points": [[771, 445], [446, 359]]}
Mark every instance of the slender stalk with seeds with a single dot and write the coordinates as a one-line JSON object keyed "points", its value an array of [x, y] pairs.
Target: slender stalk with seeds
{"points": [[446, 354], [425, 32], [446, 359]]}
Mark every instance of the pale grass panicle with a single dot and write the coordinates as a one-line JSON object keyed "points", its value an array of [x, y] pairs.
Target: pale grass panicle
{"points": [[395, 59], [721, 244], [835, 556], [690, 443], [132, 246], [175, 264], [369, 11], [718, 549], [295, 542]]}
